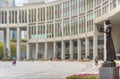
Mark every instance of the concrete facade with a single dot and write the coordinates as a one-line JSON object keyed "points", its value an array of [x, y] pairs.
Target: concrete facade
{"points": [[7, 3], [65, 29]]}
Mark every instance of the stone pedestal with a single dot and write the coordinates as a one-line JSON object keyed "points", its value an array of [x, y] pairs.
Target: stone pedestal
{"points": [[109, 73]]}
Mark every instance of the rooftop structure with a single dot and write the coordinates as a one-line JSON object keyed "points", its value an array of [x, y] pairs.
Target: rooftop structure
{"points": [[7, 3]]}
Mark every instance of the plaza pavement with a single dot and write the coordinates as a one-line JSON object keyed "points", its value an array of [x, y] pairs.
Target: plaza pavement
{"points": [[45, 69]]}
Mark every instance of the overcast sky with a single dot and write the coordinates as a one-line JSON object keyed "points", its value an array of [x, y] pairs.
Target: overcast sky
{"points": [[20, 2]]}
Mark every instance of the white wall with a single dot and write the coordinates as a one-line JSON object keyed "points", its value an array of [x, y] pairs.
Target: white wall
{"points": [[1, 36], [116, 36]]}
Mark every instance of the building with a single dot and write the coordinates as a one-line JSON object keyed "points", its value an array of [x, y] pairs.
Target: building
{"points": [[10, 3], [7, 3], [63, 29]]}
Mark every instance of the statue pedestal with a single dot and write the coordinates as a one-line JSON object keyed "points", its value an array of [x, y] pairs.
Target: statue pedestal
{"points": [[109, 73], [109, 64]]}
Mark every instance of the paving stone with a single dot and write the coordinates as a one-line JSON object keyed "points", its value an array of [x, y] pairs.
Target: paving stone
{"points": [[45, 69]]}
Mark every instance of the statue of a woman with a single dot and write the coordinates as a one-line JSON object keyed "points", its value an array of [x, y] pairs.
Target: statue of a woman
{"points": [[111, 56]]}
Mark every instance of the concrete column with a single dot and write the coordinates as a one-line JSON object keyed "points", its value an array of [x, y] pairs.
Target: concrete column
{"points": [[28, 45], [85, 28], [54, 23], [71, 49], [63, 50], [101, 8], [79, 48], [95, 46], [86, 46], [54, 49], [62, 20], [8, 17], [109, 5], [36, 36], [46, 48], [18, 44], [70, 18], [5, 39], [8, 41], [36, 54], [105, 51], [78, 19], [46, 21], [117, 3], [28, 51]]}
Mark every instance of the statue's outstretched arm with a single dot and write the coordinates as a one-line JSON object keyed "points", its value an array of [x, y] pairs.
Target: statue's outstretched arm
{"points": [[102, 30]]}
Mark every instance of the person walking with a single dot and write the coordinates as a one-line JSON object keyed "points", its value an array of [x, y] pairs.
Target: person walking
{"points": [[96, 61], [14, 61]]}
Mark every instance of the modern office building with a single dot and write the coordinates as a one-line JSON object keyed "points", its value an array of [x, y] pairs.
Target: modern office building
{"points": [[63, 29], [10, 3], [7, 3]]}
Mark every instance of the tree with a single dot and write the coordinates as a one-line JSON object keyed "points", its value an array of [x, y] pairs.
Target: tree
{"points": [[13, 49], [1, 50], [23, 50], [23, 40], [5, 53], [23, 47], [13, 40]]}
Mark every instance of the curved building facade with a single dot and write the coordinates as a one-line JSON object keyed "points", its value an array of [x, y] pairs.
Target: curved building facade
{"points": [[64, 29]]}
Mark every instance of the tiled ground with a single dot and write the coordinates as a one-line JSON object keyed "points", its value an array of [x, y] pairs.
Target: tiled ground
{"points": [[45, 69]]}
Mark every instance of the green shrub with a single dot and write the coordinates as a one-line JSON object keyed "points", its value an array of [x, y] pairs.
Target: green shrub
{"points": [[13, 40], [83, 77], [85, 60], [6, 59], [23, 40], [1, 50]]}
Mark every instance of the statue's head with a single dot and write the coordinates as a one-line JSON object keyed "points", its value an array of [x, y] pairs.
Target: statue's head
{"points": [[107, 22]]}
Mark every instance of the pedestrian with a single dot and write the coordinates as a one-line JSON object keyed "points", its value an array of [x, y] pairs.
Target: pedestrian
{"points": [[51, 58], [14, 61], [82, 57], [33, 59], [96, 61]]}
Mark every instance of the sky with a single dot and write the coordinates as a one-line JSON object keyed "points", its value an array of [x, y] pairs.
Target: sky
{"points": [[20, 2]]}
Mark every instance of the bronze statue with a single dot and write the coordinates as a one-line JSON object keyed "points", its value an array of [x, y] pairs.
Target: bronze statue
{"points": [[111, 56]]}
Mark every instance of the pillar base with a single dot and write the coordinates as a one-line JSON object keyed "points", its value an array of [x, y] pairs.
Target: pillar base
{"points": [[109, 64], [109, 73]]}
